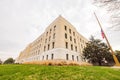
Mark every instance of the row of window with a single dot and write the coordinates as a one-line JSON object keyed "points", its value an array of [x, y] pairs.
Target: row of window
{"points": [[73, 57], [71, 33], [52, 56], [70, 38], [49, 39], [47, 57], [40, 40], [48, 46], [69, 30], [43, 58], [66, 44], [37, 52], [50, 31], [39, 46]]}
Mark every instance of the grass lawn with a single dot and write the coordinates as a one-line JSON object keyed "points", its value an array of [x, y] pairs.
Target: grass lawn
{"points": [[38, 72]]}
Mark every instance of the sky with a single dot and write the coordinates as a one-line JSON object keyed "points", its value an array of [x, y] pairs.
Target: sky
{"points": [[22, 21]]}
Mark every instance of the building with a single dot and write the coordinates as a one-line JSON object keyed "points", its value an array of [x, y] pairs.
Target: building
{"points": [[60, 41]]}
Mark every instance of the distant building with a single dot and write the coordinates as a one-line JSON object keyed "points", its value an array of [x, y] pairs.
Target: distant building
{"points": [[60, 41]]}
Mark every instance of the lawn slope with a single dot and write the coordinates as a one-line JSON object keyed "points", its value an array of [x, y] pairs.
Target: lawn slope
{"points": [[37, 72]]}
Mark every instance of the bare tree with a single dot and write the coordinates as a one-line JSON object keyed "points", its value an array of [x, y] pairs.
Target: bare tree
{"points": [[113, 8]]}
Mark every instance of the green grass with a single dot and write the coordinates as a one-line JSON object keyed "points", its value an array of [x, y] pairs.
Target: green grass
{"points": [[37, 72]]}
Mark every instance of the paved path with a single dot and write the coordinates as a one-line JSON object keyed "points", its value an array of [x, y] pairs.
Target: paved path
{"points": [[116, 67]]}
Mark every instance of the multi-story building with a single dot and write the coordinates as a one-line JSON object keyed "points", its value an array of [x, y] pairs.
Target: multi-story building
{"points": [[60, 41]]}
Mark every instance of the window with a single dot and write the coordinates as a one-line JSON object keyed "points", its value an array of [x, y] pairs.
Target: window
{"points": [[76, 48], [65, 27], [65, 35], [66, 44], [45, 40], [73, 33], [47, 57], [81, 46], [43, 58], [40, 45], [50, 30], [41, 39], [53, 44], [80, 39], [70, 38], [71, 47], [44, 48], [73, 57], [38, 52], [48, 46], [74, 40], [54, 36], [83, 41], [77, 58], [66, 56], [46, 33], [49, 38], [70, 31], [52, 56], [54, 27]]}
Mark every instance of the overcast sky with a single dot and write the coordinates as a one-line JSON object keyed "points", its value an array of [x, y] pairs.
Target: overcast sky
{"points": [[22, 21]]}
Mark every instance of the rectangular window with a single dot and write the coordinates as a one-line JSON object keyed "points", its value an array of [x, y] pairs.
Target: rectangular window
{"points": [[66, 56], [48, 46], [43, 58], [76, 48], [77, 58], [45, 40], [38, 52], [47, 57], [70, 38], [66, 44], [81, 46], [74, 40], [80, 39], [44, 48], [49, 38], [53, 44], [50, 30], [52, 56], [65, 27], [73, 33], [73, 57], [54, 36], [54, 27], [70, 31], [65, 35], [47, 34], [71, 47]]}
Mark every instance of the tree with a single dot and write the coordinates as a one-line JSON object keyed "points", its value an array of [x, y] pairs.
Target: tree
{"points": [[9, 61], [113, 7], [0, 61], [117, 53], [97, 52]]}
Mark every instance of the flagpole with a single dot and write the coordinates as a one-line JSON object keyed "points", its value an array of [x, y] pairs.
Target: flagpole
{"points": [[114, 56]]}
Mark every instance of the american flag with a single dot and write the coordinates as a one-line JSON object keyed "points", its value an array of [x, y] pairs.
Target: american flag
{"points": [[102, 33]]}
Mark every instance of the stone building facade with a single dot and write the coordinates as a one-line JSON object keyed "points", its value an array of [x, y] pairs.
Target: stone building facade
{"points": [[60, 41]]}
